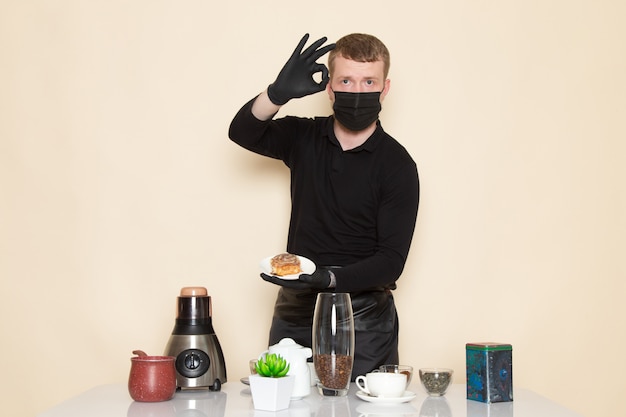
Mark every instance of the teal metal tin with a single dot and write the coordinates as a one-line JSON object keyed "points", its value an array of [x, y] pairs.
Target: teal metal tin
{"points": [[489, 368]]}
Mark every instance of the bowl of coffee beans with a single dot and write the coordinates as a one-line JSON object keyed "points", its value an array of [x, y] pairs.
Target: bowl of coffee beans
{"points": [[436, 380]]}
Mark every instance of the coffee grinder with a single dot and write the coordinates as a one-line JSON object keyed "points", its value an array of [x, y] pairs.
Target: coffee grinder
{"points": [[199, 358]]}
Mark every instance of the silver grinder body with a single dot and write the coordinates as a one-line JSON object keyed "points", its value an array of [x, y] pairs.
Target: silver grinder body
{"points": [[199, 357]]}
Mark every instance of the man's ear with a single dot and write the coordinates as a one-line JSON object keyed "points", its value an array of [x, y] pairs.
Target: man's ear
{"points": [[331, 94], [385, 89]]}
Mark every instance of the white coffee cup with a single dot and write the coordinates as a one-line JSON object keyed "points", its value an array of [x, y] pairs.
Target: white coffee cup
{"points": [[382, 384]]}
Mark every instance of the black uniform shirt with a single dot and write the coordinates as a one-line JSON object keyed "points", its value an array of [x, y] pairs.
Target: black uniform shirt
{"points": [[356, 208]]}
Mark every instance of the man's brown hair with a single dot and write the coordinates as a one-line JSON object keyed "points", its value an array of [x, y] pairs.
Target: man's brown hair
{"points": [[360, 47]]}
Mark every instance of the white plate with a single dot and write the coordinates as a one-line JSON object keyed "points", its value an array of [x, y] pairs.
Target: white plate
{"points": [[307, 266], [407, 396]]}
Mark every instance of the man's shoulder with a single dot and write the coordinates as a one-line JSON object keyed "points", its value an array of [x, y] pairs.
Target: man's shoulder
{"points": [[303, 121], [394, 148]]}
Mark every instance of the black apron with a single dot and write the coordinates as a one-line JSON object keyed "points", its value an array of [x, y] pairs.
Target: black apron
{"points": [[375, 324]]}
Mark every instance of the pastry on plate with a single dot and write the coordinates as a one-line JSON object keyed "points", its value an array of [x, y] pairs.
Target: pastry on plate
{"points": [[285, 264]]}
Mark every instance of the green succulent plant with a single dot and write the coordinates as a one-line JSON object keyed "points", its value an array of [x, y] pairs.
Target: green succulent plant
{"points": [[272, 366]]}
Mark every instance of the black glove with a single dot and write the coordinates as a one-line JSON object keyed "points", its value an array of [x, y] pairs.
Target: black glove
{"points": [[296, 78], [319, 280]]}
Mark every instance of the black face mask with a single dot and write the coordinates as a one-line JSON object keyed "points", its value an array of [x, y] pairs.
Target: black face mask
{"points": [[356, 111]]}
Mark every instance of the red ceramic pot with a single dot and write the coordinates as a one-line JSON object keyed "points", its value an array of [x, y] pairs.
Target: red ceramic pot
{"points": [[152, 378]]}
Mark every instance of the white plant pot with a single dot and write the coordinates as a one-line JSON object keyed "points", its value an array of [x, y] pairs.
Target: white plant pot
{"points": [[271, 394]]}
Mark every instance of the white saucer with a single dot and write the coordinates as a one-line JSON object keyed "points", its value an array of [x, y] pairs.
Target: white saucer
{"points": [[307, 266], [407, 396]]}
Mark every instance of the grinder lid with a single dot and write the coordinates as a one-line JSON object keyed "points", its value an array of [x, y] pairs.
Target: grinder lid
{"points": [[193, 292]]}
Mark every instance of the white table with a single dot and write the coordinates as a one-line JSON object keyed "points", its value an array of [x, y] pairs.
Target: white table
{"points": [[234, 400]]}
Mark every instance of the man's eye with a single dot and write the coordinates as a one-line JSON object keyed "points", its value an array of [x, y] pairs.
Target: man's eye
{"points": [[369, 82], [345, 81]]}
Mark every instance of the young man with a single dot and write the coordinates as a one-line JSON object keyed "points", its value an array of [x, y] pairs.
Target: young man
{"points": [[354, 191]]}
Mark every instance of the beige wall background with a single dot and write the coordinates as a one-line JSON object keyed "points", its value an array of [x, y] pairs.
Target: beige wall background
{"points": [[119, 186]]}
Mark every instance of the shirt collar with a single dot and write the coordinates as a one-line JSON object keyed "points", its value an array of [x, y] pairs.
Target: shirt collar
{"points": [[369, 145]]}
